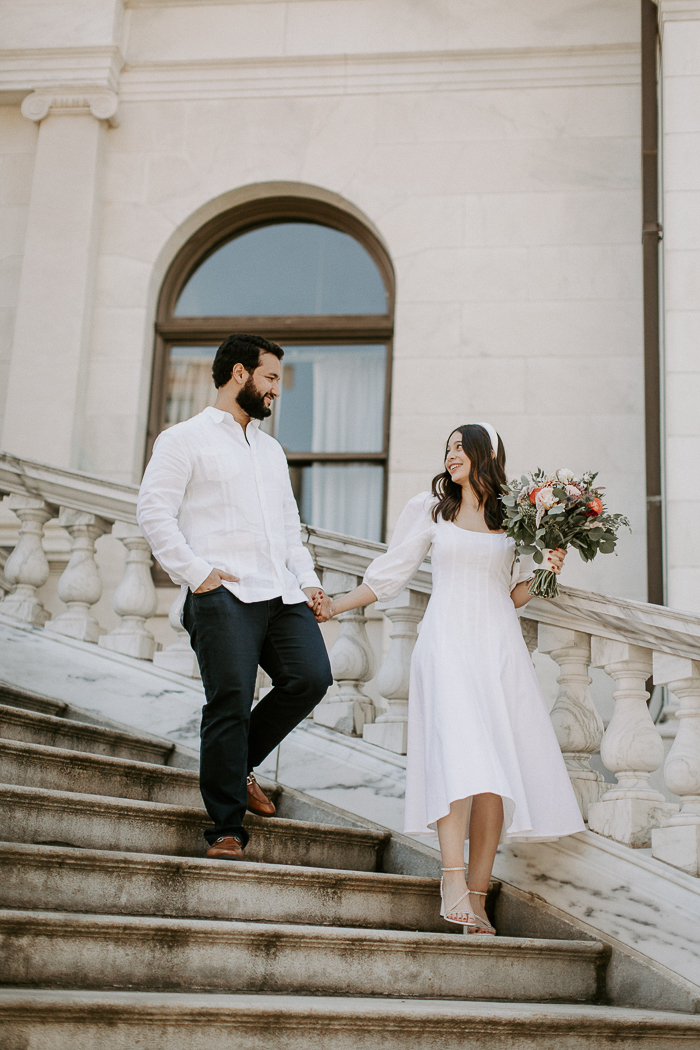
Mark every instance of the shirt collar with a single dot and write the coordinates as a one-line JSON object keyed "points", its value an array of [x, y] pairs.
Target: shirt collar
{"points": [[219, 416]]}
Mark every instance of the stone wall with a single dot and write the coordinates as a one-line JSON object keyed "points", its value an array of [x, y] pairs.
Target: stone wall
{"points": [[495, 148]]}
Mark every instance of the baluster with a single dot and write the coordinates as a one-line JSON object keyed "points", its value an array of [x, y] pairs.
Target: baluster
{"points": [[27, 567], [352, 663], [390, 728], [135, 598], [5, 587], [80, 585], [576, 721], [179, 656], [632, 749], [528, 629], [677, 842]]}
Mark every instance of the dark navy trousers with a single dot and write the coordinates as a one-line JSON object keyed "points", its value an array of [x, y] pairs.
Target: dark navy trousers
{"points": [[231, 638]]}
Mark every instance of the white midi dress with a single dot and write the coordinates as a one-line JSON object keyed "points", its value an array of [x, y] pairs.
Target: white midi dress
{"points": [[477, 721]]}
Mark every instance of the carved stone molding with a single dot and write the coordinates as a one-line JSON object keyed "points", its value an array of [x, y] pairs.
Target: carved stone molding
{"points": [[394, 73], [678, 10], [100, 102]]}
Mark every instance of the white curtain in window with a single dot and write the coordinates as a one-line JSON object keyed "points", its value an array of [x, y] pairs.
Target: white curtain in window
{"points": [[190, 387], [347, 498], [348, 417], [348, 401]]}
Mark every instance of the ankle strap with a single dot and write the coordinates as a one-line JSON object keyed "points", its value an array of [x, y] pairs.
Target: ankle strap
{"points": [[454, 869], [477, 893]]}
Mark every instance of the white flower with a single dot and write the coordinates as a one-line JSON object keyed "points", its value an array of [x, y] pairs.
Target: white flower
{"points": [[545, 499], [565, 475]]}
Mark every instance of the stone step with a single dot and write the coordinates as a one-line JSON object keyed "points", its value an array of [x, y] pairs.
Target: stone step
{"points": [[36, 765], [57, 1020], [109, 883], [63, 818], [16, 697], [62, 950], [31, 727]]}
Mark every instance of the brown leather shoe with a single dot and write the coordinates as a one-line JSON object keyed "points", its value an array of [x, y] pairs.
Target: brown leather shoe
{"points": [[258, 802], [228, 847]]}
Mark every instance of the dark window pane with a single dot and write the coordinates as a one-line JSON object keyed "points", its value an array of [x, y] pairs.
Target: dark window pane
{"points": [[285, 268], [332, 399]]}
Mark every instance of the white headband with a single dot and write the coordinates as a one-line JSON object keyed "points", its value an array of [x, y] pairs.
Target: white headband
{"points": [[492, 433]]}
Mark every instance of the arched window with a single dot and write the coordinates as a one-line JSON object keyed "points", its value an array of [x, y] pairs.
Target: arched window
{"points": [[316, 280]]}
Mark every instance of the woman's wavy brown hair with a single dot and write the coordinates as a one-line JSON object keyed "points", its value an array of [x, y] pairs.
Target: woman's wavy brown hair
{"points": [[487, 477]]}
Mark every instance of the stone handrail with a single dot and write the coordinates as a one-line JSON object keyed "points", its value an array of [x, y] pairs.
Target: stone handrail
{"points": [[71, 489], [631, 641]]}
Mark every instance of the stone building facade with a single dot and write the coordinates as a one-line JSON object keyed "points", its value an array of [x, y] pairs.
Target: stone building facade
{"points": [[485, 155]]}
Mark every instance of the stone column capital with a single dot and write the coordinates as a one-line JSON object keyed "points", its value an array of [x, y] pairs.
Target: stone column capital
{"points": [[100, 102]]}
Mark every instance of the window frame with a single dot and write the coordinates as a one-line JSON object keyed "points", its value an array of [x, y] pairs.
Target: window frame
{"points": [[291, 330]]}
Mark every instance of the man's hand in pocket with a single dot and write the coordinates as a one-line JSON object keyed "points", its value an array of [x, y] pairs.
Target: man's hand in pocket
{"points": [[215, 578]]}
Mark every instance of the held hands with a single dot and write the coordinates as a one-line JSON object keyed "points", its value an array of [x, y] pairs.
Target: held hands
{"points": [[215, 579], [320, 604], [553, 560]]}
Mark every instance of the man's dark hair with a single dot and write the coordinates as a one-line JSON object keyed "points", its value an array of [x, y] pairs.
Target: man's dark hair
{"points": [[245, 349]]}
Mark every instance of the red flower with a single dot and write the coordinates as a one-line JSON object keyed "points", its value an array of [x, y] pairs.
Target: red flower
{"points": [[595, 507], [533, 495]]}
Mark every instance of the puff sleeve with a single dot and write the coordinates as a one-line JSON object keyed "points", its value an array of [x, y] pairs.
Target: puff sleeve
{"points": [[522, 570], [389, 573]]}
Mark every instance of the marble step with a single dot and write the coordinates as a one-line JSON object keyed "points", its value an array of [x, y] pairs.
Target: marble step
{"points": [[109, 883], [64, 950], [63, 818], [37, 1019], [32, 727], [36, 765], [17, 697]]}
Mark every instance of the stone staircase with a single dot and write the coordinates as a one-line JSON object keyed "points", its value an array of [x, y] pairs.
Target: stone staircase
{"points": [[117, 933]]}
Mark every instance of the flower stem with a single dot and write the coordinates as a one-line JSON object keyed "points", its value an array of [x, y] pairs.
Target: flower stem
{"points": [[545, 584]]}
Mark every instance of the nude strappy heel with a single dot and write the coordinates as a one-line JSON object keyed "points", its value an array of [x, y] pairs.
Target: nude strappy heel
{"points": [[471, 921], [481, 925]]}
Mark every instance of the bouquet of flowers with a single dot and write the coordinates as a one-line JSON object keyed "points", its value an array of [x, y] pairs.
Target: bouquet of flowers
{"points": [[550, 511]]}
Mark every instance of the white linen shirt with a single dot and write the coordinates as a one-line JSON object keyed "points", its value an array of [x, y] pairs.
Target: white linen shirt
{"points": [[216, 497]]}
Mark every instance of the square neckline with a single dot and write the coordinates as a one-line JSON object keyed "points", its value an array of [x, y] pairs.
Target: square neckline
{"points": [[476, 532]]}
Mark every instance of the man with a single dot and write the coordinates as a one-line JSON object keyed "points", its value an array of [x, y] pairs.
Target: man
{"points": [[216, 506]]}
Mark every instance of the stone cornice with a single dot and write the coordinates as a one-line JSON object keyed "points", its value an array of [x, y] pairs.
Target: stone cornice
{"points": [[382, 74], [28, 69], [678, 10], [91, 68], [210, 3]]}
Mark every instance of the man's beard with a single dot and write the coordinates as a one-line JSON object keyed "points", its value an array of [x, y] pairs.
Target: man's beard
{"points": [[252, 401]]}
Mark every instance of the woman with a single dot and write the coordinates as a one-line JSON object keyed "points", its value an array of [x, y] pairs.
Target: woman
{"points": [[483, 760]]}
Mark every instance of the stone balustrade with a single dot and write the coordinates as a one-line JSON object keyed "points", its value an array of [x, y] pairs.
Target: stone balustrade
{"points": [[632, 643], [87, 508]]}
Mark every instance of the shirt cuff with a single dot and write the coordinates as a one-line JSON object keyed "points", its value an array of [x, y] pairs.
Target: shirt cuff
{"points": [[196, 573], [309, 579]]}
